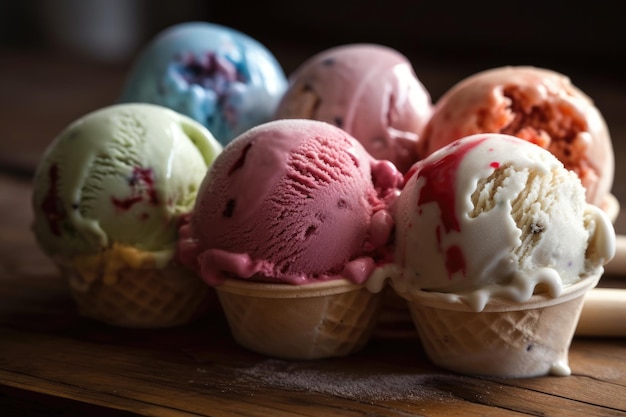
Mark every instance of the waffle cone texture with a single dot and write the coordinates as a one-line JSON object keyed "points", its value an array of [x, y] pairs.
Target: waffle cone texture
{"points": [[312, 321], [140, 297], [506, 339]]}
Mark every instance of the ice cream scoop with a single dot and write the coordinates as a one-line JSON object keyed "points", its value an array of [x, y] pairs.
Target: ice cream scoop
{"points": [[291, 201], [492, 215], [218, 76], [371, 91], [123, 174], [536, 104], [108, 197]]}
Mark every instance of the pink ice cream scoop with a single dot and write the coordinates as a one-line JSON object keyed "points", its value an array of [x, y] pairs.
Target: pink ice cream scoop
{"points": [[292, 201], [539, 105], [371, 91]]}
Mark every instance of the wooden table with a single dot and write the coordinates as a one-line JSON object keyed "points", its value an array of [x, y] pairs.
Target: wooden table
{"points": [[53, 362]]}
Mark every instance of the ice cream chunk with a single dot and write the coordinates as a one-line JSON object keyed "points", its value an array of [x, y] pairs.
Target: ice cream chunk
{"points": [[492, 215], [121, 175], [218, 76], [371, 91], [536, 104], [291, 201]]}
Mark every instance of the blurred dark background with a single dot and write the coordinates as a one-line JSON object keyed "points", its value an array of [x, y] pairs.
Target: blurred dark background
{"points": [[62, 58], [589, 40]]}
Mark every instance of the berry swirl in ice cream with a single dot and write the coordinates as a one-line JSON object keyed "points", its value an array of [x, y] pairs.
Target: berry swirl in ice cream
{"points": [[121, 175], [492, 215]]}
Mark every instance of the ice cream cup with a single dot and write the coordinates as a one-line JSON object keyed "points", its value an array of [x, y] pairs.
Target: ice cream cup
{"points": [[506, 339], [139, 297], [327, 319]]}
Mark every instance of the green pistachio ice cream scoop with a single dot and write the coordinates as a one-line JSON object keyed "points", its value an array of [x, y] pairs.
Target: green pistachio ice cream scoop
{"points": [[123, 174]]}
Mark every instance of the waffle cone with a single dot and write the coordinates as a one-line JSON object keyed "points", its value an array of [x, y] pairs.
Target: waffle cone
{"points": [[140, 298], [506, 339], [321, 320]]}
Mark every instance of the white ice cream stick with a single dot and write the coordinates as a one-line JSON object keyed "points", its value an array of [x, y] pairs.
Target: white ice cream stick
{"points": [[603, 313], [617, 266]]}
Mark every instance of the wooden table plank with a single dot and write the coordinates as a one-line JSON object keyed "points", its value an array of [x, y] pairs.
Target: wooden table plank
{"points": [[153, 380]]}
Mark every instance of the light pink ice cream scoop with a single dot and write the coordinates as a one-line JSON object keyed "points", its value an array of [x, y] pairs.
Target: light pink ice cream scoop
{"points": [[292, 201], [371, 91], [539, 105]]}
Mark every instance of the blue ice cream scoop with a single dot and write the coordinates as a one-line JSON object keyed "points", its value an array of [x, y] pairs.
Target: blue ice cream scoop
{"points": [[219, 76]]}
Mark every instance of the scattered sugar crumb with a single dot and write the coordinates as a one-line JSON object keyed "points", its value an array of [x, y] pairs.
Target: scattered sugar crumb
{"points": [[370, 387]]}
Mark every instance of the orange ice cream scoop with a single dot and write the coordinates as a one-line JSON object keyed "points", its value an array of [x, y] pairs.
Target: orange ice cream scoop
{"points": [[539, 105]]}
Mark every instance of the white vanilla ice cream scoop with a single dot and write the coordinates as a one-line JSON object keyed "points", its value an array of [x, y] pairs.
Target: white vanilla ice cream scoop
{"points": [[491, 215]]}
